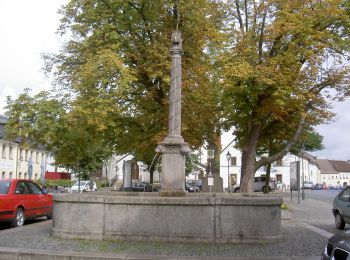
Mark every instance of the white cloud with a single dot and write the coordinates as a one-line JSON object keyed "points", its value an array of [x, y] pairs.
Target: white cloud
{"points": [[337, 135], [27, 30]]}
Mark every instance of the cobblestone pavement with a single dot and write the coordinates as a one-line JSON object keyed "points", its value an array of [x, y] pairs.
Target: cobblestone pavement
{"points": [[302, 237]]}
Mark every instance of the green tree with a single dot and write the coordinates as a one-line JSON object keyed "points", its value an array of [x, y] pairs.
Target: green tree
{"points": [[43, 119], [117, 64], [113, 74], [309, 141], [283, 64]]}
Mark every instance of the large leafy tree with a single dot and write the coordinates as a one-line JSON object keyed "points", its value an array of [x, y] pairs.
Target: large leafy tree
{"points": [[282, 66], [43, 119], [114, 72]]}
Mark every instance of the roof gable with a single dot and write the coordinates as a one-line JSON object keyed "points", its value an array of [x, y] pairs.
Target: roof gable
{"points": [[325, 167], [340, 166]]}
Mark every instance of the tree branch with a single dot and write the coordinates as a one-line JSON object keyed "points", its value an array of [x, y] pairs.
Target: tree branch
{"points": [[246, 15], [286, 149], [241, 26], [261, 38]]}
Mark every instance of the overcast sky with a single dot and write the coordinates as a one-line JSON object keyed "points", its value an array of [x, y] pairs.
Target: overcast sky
{"points": [[27, 29]]}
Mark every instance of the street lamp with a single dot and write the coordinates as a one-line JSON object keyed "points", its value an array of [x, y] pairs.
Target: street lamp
{"points": [[228, 158], [302, 168]]}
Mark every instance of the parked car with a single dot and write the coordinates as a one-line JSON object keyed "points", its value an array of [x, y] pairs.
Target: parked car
{"points": [[308, 184], [317, 186], [141, 187], [259, 185], [84, 187], [341, 208], [337, 247], [21, 200], [191, 187]]}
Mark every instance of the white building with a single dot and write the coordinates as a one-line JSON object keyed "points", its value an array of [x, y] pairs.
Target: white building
{"points": [[334, 173], [15, 159], [123, 169], [230, 171]]}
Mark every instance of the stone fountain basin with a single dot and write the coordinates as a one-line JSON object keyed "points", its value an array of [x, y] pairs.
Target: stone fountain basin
{"points": [[199, 217]]}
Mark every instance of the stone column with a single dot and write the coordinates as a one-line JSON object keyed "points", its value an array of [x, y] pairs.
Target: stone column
{"points": [[173, 148]]}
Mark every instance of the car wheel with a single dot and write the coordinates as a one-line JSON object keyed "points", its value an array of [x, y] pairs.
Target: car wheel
{"points": [[339, 222], [19, 220]]}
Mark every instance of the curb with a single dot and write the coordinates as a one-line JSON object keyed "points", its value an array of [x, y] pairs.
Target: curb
{"points": [[29, 254]]}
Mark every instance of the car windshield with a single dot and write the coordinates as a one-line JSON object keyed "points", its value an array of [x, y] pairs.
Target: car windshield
{"points": [[4, 187]]}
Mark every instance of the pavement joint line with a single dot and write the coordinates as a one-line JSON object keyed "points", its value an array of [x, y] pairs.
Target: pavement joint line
{"points": [[317, 230]]}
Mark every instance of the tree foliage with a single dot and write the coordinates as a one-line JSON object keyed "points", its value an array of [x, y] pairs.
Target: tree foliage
{"points": [[114, 72], [283, 62], [43, 119], [266, 68]]}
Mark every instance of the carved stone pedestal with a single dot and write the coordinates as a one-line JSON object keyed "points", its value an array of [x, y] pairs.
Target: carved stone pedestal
{"points": [[173, 151]]}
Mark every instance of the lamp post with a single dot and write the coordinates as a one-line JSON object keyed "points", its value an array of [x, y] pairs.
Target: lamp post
{"points": [[302, 168], [228, 158]]}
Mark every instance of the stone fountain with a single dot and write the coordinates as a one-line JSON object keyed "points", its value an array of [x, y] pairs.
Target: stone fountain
{"points": [[172, 214]]}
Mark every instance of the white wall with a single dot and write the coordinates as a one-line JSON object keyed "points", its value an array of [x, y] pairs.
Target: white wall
{"points": [[14, 161]]}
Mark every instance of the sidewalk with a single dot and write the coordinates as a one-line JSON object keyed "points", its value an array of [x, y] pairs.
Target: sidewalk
{"points": [[301, 239]]}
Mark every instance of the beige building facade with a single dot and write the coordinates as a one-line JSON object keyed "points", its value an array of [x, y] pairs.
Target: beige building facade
{"points": [[15, 159]]}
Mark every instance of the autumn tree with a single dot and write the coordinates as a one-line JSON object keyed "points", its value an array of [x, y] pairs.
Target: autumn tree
{"points": [[114, 72], [282, 66], [43, 120]]}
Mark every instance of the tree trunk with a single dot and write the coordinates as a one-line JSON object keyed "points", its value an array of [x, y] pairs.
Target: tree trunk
{"points": [[151, 174], [248, 171], [249, 161], [267, 180]]}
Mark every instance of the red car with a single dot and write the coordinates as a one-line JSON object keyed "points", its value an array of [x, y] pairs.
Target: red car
{"points": [[21, 200]]}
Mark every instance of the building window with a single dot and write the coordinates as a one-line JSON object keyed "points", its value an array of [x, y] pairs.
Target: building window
{"points": [[37, 158], [234, 161], [20, 175], [27, 155], [11, 175], [11, 153], [3, 175], [25, 175], [3, 151]]}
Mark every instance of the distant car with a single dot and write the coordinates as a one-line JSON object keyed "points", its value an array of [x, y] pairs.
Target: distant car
{"points": [[337, 247], [191, 187], [21, 200], [317, 186], [308, 184], [84, 187], [341, 208], [259, 185], [142, 187]]}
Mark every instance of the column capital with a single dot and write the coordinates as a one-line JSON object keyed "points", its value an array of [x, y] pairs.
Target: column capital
{"points": [[176, 41]]}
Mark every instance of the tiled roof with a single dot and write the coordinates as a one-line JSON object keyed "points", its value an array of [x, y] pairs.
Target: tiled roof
{"points": [[340, 166], [325, 166]]}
